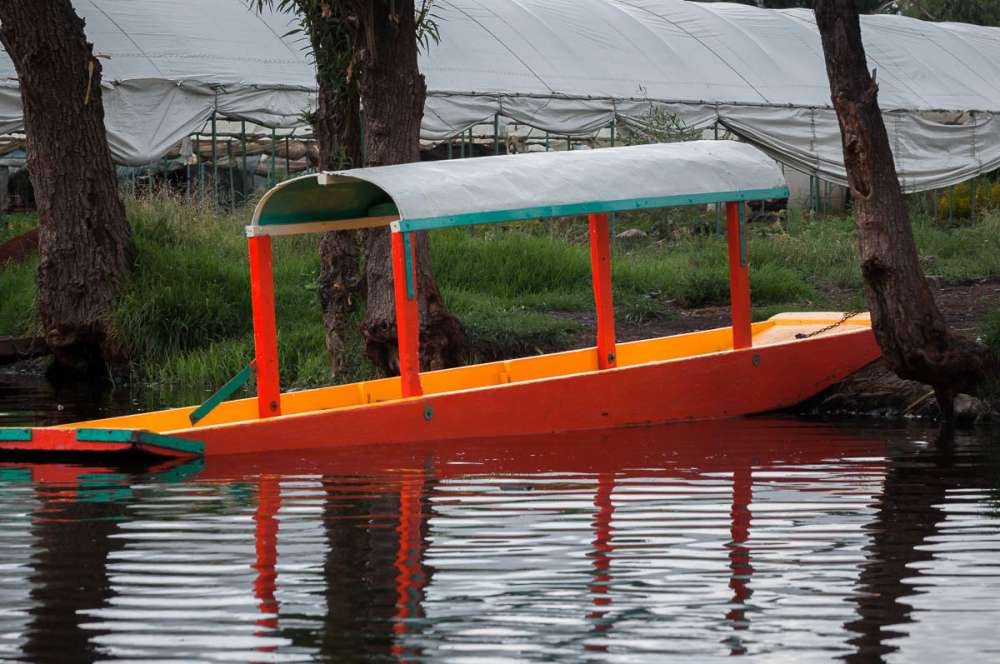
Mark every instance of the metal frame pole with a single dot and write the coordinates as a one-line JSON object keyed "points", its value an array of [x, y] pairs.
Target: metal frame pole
{"points": [[972, 203], [229, 166], [496, 133], [201, 166], [718, 206], [215, 163], [288, 156], [271, 175], [246, 173]]}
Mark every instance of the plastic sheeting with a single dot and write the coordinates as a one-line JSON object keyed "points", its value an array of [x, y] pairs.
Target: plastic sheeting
{"points": [[573, 66], [435, 194], [570, 67], [169, 64]]}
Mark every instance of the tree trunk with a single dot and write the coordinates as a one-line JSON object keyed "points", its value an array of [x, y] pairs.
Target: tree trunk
{"points": [[393, 93], [83, 234], [910, 330], [337, 126]]}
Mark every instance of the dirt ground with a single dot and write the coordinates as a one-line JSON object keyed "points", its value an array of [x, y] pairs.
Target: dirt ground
{"points": [[963, 305]]}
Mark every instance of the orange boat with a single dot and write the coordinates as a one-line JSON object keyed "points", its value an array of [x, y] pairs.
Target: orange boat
{"points": [[739, 370]]}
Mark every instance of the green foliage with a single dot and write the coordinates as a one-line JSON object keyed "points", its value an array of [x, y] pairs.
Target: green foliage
{"points": [[955, 204], [18, 311], [979, 12], [12, 225], [518, 288], [864, 6], [989, 331], [658, 126]]}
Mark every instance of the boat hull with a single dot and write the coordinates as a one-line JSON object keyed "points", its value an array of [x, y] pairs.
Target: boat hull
{"points": [[721, 385], [696, 380]]}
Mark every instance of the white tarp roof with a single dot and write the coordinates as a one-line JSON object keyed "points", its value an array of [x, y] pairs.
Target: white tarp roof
{"points": [[565, 66], [436, 194]]}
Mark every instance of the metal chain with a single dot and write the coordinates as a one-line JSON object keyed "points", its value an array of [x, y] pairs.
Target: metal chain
{"points": [[846, 317]]}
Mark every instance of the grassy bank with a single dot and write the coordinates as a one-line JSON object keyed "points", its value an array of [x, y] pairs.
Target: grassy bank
{"points": [[518, 288]]}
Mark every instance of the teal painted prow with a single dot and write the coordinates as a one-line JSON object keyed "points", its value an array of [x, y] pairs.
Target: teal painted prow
{"points": [[141, 440], [172, 443]]}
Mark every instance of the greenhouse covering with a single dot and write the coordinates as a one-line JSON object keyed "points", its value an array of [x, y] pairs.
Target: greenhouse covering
{"points": [[570, 67]]}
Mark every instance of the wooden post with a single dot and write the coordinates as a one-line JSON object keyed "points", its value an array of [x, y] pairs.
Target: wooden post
{"points": [[739, 276], [407, 315], [600, 265], [265, 330]]}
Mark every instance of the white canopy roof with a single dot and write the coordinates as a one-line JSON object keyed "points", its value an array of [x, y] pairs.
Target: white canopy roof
{"points": [[565, 66], [436, 194]]}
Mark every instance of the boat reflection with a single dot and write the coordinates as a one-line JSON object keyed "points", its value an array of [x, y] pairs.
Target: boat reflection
{"points": [[409, 552]]}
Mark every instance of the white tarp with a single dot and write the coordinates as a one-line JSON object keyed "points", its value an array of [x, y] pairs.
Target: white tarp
{"points": [[432, 194], [168, 64], [573, 66], [568, 67]]}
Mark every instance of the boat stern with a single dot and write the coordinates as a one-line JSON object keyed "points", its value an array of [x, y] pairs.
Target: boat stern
{"points": [[63, 441]]}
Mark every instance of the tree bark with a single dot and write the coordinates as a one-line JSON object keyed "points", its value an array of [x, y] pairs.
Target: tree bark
{"points": [[910, 330], [337, 126], [393, 93], [83, 234]]}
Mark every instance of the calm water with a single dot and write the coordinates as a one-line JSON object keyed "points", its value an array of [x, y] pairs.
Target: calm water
{"points": [[764, 538]]}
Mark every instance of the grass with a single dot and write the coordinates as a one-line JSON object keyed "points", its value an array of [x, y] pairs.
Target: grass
{"points": [[518, 288]]}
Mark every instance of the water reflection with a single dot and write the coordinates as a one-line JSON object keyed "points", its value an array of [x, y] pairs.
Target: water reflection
{"points": [[754, 537]]}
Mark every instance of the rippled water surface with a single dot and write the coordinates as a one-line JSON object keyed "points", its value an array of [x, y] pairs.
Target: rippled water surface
{"points": [[767, 538]]}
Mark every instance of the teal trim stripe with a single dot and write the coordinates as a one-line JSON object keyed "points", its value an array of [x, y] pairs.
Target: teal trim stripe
{"points": [[142, 438], [105, 435], [15, 435], [172, 443], [408, 262], [590, 207]]}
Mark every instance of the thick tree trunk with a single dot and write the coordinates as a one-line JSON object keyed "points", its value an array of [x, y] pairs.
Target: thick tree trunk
{"points": [[393, 93], [909, 327], [83, 235], [337, 126]]}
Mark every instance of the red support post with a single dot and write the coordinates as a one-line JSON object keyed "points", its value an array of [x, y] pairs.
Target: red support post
{"points": [[407, 316], [265, 330], [739, 277], [600, 265]]}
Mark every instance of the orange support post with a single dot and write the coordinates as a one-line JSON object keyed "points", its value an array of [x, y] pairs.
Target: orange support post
{"points": [[600, 265], [265, 330], [407, 315], [739, 276]]}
